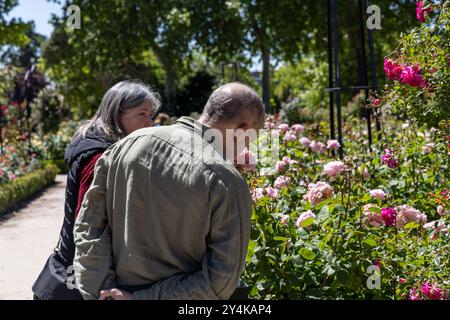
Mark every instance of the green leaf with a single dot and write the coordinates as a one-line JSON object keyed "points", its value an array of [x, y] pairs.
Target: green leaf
{"points": [[370, 241], [324, 210], [251, 250], [307, 222], [411, 225], [365, 198], [375, 209], [307, 206], [307, 254]]}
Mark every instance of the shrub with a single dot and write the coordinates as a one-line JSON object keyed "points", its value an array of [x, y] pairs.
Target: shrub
{"points": [[23, 187]]}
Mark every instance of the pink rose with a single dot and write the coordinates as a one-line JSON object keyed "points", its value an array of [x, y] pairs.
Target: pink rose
{"points": [[275, 133], [281, 166], [432, 291], [284, 219], [305, 215], [286, 161], [388, 216], [389, 159], [428, 148], [246, 160], [376, 102], [412, 76], [402, 280], [392, 69], [421, 11], [305, 141], [436, 229], [290, 136], [319, 192], [257, 194], [271, 192], [333, 144], [317, 146], [269, 125], [407, 214], [298, 128], [377, 262], [284, 127], [289, 161], [429, 225], [333, 169], [371, 217], [413, 295], [440, 210], [377, 194], [282, 182]]}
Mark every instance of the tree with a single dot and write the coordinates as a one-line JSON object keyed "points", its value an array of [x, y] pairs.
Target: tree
{"points": [[118, 34], [86, 62], [272, 29], [24, 55], [11, 32]]}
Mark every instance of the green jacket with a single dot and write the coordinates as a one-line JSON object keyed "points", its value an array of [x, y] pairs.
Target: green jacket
{"points": [[167, 211]]}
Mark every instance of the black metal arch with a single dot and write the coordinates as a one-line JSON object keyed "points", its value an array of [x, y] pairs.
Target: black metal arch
{"points": [[335, 87]]}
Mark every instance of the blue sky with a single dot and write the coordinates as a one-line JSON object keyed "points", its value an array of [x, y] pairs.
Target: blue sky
{"points": [[38, 11]]}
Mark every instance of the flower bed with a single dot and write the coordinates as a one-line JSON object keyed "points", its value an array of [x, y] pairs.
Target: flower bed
{"points": [[23, 187]]}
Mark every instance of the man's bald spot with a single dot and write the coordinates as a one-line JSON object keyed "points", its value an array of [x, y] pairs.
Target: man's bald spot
{"points": [[233, 102]]}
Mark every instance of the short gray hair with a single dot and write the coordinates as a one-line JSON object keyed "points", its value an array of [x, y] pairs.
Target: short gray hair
{"points": [[122, 96], [233, 101]]}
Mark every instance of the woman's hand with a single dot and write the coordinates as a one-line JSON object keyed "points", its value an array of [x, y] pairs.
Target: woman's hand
{"points": [[115, 294]]}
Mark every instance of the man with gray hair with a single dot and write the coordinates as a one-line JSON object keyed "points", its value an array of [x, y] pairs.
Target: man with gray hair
{"points": [[168, 214]]}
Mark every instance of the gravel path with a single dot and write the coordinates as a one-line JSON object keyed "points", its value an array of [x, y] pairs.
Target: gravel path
{"points": [[27, 238]]}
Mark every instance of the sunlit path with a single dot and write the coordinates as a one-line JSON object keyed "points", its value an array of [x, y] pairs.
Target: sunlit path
{"points": [[26, 240]]}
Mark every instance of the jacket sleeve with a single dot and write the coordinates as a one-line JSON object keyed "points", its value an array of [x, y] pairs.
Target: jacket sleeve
{"points": [[224, 260], [93, 247]]}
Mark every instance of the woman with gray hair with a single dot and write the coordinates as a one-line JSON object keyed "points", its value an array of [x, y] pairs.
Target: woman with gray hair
{"points": [[126, 107]]}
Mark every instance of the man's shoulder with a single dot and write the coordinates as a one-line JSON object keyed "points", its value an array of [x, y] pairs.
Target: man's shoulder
{"points": [[175, 145]]}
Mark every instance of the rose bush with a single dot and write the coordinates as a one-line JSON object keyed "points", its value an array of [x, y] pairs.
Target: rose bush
{"points": [[420, 68], [320, 224]]}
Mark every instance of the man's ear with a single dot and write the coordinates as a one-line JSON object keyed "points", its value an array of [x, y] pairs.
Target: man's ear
{"points": [[240, 129], [243, 126]]}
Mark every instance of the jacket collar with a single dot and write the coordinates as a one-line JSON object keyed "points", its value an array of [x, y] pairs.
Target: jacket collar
{"points": [[198, 128]]}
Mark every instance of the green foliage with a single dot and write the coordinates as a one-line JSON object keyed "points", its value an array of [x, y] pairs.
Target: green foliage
{"points": [[48, 111], [56, 143], [52, 145], [13, 192], [299, 89], [13, 31]]}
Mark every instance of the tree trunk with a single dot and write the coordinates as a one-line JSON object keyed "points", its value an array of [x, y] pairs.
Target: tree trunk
{"points": [[265, 52], [169, 88], [262, 43], [169, 80]]}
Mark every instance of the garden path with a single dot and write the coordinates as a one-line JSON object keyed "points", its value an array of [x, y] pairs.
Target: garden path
{"points": [[27, 238]]}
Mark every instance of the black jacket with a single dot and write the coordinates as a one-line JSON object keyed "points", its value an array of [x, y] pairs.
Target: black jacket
{"points": [[58, 271]]}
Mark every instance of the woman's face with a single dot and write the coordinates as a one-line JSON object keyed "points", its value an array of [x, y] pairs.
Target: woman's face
{"points": [[137, 118]]}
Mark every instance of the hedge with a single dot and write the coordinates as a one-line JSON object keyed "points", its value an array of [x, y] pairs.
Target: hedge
{"points": [[12, 193], [62, 166]]}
